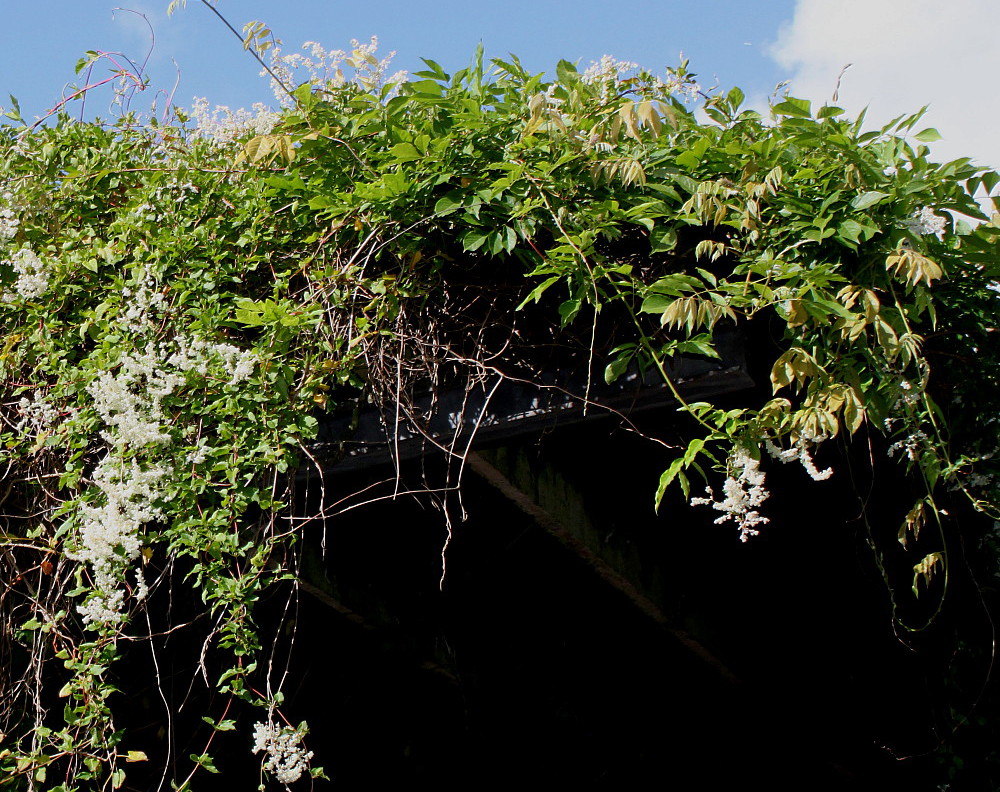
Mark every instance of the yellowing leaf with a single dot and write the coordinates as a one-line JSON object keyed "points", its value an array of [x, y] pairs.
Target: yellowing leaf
{"points": [[795, 365], [267, 147], [913, 522], [628, 117], [913, 266], [886, 337], [709, 249], [925, 569], [854, 411], [649, 117], [797, 314]]}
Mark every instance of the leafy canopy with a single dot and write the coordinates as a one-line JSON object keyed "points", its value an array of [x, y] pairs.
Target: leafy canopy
{"points": [[183, 303]]}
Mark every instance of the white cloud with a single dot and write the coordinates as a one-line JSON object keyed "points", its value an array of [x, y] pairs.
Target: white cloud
{"points": [[905, 54]]}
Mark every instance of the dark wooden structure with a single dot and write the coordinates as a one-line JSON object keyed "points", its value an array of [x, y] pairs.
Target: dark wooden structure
{"points": [[577, 638]]}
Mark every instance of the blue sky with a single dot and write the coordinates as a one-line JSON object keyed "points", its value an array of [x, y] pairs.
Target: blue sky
{"points": [[38, 50], [905, 54]]}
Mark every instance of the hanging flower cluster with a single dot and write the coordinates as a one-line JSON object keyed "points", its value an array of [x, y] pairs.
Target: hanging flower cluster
{"points": [[32, 276], [744, 492], [800, 452], [8, 216], [925, 222], [286, 758]]}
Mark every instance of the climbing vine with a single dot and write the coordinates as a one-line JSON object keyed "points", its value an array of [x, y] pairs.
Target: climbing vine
{"points": [[184, 300]]}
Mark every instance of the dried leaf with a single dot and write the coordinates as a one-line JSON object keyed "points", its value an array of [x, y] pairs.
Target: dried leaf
{"points": [[925, 569], [913, 522]]}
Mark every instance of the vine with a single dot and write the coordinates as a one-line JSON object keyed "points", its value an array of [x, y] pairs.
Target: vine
{"points": [[183, 303]]}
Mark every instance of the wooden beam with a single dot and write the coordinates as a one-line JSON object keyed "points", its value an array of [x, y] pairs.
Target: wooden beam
{"points": [[598, 565]]}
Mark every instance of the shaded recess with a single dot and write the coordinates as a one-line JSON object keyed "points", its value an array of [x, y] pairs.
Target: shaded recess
{"points": [[577, 637]]}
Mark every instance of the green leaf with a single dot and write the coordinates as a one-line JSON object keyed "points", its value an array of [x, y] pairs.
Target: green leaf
{"points": [[566, 73], [865, 200], [688, 159], [694, 448], [798, 108], [928, 135], [405, 152], [850, 231], [700, 345], [682, 479], [434, 71], [616, 368], [656, 303], [710, 279], [568, 310], [990, 180], [662, 240], [716, 115], [538, 291], [665, 479], [90, 56], [451, 202], [225, 725], [509, 239], [854, 412], [473, 240], [425, 88], [206, 761], [14, 114]]}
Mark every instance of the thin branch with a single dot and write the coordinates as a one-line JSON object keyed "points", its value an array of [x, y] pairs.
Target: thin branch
{"points": [[251, 50]]}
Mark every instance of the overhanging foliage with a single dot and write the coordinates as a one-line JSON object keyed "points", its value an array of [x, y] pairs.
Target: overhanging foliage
{"points": [[180, 309]]}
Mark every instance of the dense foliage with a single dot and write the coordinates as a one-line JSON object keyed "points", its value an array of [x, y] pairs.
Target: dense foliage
{"points": [[182, 303]]}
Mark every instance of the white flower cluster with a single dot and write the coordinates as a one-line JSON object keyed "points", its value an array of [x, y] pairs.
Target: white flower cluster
{"points": [[744, 492], [287, 759], [609, 72], [128, 400], [239, 363], [924, 223], [165, 200], [37, 415], [687, 90], [194, 354], [323, 68], [108, 536], [129, 403], [8, 216], [200, 453], [799, 451], [910, 445], [147, 297], [32, 276], [909, 394], [607, 69], [979, 480], [223, 125]]}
